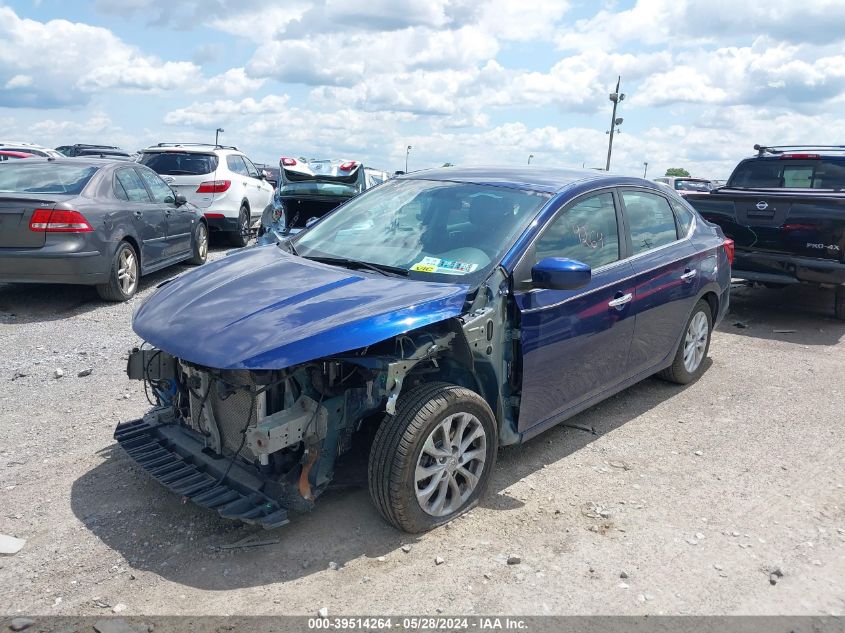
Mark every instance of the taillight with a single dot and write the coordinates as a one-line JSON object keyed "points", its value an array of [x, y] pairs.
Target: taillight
{"points": [[214, 215], [214, 186], [728, 245], [801, 156], [59, 221], [348, 165], [288, 162]]}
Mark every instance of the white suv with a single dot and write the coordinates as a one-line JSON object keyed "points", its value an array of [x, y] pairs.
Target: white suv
{"points": [[218, 179]]}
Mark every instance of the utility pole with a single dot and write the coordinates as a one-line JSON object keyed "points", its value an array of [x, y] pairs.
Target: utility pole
{"points": [[217, 136], [645, 169], [615, 97], [407, 151], [530, 156]]}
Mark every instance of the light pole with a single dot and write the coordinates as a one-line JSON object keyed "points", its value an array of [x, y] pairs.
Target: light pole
{"points": [[407, 151], [530, 156], [217, 136], [645, 169], [616, 97]]}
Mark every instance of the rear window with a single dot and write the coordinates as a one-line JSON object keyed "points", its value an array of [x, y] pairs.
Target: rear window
{"points": [[778, 173], [179, 163], [27, 177]]}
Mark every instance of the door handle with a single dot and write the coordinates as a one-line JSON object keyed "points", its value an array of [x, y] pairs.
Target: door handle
{"points": [[620, 301], [689, 274], [138, 214], [167, 212]]}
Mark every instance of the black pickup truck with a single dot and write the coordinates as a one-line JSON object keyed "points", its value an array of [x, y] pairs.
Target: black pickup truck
{"points": [[785, 211]]}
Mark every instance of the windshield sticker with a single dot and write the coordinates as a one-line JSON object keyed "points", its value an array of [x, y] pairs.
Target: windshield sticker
{"points": [[443, 266]]}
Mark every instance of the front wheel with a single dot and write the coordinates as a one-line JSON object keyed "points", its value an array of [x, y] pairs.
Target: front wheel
{"points": [[688, 364], [432, 461]]}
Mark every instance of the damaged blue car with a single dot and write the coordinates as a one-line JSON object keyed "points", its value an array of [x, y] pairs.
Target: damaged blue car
{"points": [[427, 322]]}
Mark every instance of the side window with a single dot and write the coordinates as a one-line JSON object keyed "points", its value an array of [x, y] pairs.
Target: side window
{"points": [[651, 220], [684, 217], [132, 185], [236, 164], [586, 232], [161, 192], [250, 168]]}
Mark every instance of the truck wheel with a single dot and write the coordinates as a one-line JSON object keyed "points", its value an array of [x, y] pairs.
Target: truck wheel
{"points": [[695, 343], [432, 461], [199, 247], [123, 276], [839, 303], [241, 236]]}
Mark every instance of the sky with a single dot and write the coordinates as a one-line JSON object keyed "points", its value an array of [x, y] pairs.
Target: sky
{"points": [[460, 81]]}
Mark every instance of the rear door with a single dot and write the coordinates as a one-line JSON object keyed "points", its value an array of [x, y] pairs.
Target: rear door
{"points": [[260, 191], [149, 219], [667, 276], [575, 342], [180, 220]]}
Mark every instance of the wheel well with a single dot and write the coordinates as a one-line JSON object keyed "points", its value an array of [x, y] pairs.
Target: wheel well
{"points": [[134, 244], [713, 302], [245, 203]]}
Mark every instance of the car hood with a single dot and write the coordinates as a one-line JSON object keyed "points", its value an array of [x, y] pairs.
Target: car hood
{"points": [[262, 308]]}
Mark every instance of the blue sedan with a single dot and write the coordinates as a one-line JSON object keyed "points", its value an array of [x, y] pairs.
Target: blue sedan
{"points": [[428, 321]]}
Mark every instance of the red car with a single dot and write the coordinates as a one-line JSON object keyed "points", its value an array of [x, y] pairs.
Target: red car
{"points": [[7, 154]]}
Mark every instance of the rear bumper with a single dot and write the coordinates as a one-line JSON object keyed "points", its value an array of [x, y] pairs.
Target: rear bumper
{"points": [[229, 225], [787, 269], [53, 266], [176, 459]]}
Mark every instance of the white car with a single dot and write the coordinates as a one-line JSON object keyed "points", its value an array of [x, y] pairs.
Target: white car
{"points": [[30, 148], [218, 179]]}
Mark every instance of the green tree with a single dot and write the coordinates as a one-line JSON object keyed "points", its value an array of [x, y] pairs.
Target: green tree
{"points": [[677, 172]]}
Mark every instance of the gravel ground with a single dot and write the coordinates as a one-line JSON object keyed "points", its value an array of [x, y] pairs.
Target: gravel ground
{"points": [[685, 501]]}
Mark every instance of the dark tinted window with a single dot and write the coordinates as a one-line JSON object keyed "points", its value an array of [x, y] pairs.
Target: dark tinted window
{"points": [[692, 185], [650, 219], [133, 189], [587, 232], [784, 173], [179, 163], [161, 191], [684, 217], [236, 164], [44, 177], [253, 172]]}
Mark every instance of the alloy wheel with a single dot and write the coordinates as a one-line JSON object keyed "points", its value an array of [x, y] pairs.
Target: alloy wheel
{"points": [[127, 271], [202, 241], [695, 342], [450, 464]]}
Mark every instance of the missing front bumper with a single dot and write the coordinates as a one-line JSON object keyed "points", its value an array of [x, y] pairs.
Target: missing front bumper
{"points": [[175, 459]]}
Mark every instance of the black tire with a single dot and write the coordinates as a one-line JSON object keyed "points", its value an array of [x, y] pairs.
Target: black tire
{"points": [[241, 236], [678, 372], [199, 245], [839, 303], [399, 442], [116, 289]]}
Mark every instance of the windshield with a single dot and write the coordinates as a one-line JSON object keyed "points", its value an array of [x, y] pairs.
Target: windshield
{"points": [[692, 185], [179, 163], [438, 231], [25, 176], [789, 174]]}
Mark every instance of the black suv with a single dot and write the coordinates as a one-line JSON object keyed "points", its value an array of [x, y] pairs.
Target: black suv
{"points": [[93, 151]]}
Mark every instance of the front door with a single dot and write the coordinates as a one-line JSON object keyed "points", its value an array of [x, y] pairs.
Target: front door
{"points": [[666, 265], [575, 342]]}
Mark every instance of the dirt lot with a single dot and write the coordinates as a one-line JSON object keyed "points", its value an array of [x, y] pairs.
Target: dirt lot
{"points": [[695, 494]]}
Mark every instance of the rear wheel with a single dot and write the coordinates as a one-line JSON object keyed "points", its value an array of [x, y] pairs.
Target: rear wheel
{"points": [[688, 364], [432, 461], [839, 303], [199, 247], [123, 277], [241, 236]]}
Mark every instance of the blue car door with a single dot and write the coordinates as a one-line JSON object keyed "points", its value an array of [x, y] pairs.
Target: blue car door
{"points": [[574, 342], [666, 266]]}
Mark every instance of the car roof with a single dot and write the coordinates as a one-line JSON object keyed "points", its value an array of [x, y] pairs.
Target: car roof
{"points": [[545, 179], [197, 148]]}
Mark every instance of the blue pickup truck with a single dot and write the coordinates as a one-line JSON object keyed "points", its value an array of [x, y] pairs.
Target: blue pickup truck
{"points": [[785, 211]]}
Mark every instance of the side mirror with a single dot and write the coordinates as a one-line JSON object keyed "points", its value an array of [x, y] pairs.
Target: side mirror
{"points": [[262, 175], [179, 200], [310, 221], [559, 273]]}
